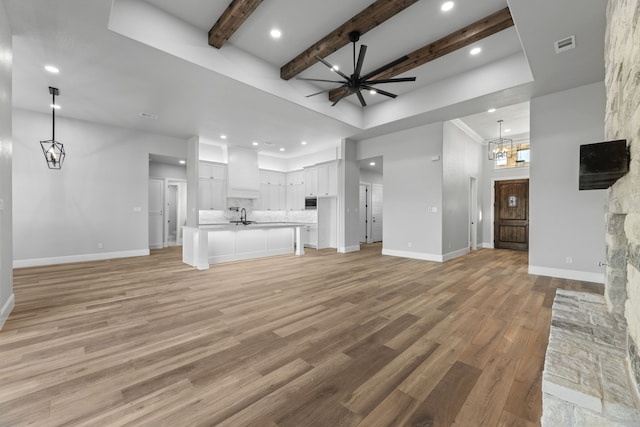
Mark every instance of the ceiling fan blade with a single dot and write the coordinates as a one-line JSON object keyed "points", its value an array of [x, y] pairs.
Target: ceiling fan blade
{"points": [[397, 80], [324, 91], [363, 51], [380, 91], [385, 67], [340, 73], [319, 80], [361, 98]]}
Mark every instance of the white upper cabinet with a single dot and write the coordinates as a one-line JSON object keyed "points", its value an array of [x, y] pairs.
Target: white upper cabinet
{"points": [[295, 190], [328, 180], [273, 191], [311, 181], [212, 186]]}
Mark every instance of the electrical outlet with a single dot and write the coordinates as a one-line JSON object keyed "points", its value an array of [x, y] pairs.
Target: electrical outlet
{"points": [[409, 244], [100, 245], [569, 260]]}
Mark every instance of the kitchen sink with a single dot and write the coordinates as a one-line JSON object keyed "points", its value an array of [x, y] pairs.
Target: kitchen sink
{"points": [[242, 222]]}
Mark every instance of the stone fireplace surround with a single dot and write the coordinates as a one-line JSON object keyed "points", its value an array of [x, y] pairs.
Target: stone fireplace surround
{"points": [[622, 121], [592, 366]]}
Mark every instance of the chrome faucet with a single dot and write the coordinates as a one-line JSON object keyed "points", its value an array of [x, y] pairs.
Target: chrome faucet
{"points": [[243, 215]]}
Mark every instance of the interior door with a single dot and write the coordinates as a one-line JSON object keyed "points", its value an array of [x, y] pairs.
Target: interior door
{"points": [[363, 214], [511, 215], [172, 213], [376, 212], [156, 213]]}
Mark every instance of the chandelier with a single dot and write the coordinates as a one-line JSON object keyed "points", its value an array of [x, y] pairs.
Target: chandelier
{"points": [[500, 147], [53, 150]]}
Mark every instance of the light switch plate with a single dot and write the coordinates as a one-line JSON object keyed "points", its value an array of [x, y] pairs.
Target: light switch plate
{"points": [[1, 204]]}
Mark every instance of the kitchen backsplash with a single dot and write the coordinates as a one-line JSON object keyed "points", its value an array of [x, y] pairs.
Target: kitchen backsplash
{"points": [[218, 216]]}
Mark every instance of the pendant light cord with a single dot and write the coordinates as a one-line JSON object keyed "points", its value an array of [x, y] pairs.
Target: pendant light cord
{"points": [[53, 114]]}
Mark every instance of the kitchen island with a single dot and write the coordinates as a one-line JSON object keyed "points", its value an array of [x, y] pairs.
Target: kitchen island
{"points": [[224, 242]]}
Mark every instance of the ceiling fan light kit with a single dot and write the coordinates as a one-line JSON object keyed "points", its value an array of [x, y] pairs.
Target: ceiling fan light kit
{"points": [[356, 82]]}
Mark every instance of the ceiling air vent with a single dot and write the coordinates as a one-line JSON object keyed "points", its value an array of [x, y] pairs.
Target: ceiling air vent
{"points": [[565, 44], [149, 116]]}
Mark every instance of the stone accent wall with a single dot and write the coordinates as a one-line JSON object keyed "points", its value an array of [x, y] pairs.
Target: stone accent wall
{"points": [[622, 121]]}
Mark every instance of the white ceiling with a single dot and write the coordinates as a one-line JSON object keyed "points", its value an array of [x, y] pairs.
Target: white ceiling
{"points": [[108, 78]]}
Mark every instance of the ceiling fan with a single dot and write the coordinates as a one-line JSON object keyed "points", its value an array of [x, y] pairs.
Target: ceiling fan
{"points": [[356, 82]]}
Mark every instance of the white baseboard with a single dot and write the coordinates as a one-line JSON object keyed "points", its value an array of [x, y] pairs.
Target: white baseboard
{"points": [[347, 249], [485, 245], [36, 262], [413, 255], [6, 309], [560, 273], [455, 254]]}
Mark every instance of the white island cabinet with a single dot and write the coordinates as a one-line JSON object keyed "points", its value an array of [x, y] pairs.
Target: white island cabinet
{"points": [[216, 243]]}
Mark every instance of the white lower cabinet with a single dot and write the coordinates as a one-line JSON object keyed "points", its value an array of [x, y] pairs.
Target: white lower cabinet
{"points": [[310, 238]]}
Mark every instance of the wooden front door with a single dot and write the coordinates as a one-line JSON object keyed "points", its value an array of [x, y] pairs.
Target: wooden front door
{"points": [[511, 216]]}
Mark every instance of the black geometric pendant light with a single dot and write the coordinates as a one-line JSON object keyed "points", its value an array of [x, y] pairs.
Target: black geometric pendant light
{"points": [[53, 150]]}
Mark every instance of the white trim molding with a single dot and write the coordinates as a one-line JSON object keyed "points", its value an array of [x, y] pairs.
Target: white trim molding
{"points": [[36, 262], [560, 273], [455, 254], [347, 249], [414, 255], [486, 245], [7, 308]]}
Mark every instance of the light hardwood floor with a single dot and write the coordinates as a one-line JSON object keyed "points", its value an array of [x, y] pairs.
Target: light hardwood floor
{"points": [[326, 339]]}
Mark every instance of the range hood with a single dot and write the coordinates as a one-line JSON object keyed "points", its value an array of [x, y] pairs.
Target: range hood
{"points": [[243, 177]]}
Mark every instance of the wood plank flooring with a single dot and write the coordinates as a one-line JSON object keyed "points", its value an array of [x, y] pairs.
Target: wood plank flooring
{"points": [[326, 339]]}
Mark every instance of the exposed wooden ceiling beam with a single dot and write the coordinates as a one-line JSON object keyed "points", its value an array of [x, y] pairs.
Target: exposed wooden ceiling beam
{"points": [[235, 14], [470, 34], [370, 17]]}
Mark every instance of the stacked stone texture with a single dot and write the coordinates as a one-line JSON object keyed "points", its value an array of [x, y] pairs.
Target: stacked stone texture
{"points": [[622, 121], [586, 380]]}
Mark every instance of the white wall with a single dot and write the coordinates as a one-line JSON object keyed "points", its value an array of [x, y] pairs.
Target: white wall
{"points": [[412, 182], [164, 170], [62, 215], [462, 159], [6, 275], [370, 177], [565, 222], [348, 198]]}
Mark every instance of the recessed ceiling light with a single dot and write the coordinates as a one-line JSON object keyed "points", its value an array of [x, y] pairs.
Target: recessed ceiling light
{"points": [[372, 164], [223, 136], [373, 91], [446, 6], [182, 162], [282, 149], [475, 51], [55, 106], [52, 69], [303, 143], [254, 143], [507, 130], [275, 33], [491, 110]]}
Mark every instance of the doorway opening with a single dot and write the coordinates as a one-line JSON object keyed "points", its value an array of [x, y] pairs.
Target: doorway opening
{"points": [[371, 200], [167, 201], [473, 214]]}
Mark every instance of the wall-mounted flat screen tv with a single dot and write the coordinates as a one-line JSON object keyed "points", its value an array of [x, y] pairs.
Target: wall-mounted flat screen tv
{"points": [[602, 164]]}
